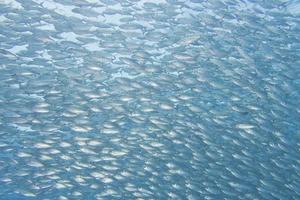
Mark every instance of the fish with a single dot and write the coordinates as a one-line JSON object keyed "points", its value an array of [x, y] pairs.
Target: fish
{"points": [[167, 99]]}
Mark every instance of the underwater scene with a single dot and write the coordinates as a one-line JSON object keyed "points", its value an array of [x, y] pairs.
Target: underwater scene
{"points": [[149, 99]]}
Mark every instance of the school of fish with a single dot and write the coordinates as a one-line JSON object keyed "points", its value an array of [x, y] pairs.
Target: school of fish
{"points": [[140, 99]]}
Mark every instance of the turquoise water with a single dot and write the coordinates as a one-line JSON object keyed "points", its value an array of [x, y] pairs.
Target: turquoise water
{"points": [[137, 99]]}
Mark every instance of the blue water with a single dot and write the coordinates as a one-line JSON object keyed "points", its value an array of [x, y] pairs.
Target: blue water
{"points": [[136, 99]]}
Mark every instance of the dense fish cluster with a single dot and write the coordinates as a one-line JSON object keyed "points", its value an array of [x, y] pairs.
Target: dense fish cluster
{"points": [[140, 99]]}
